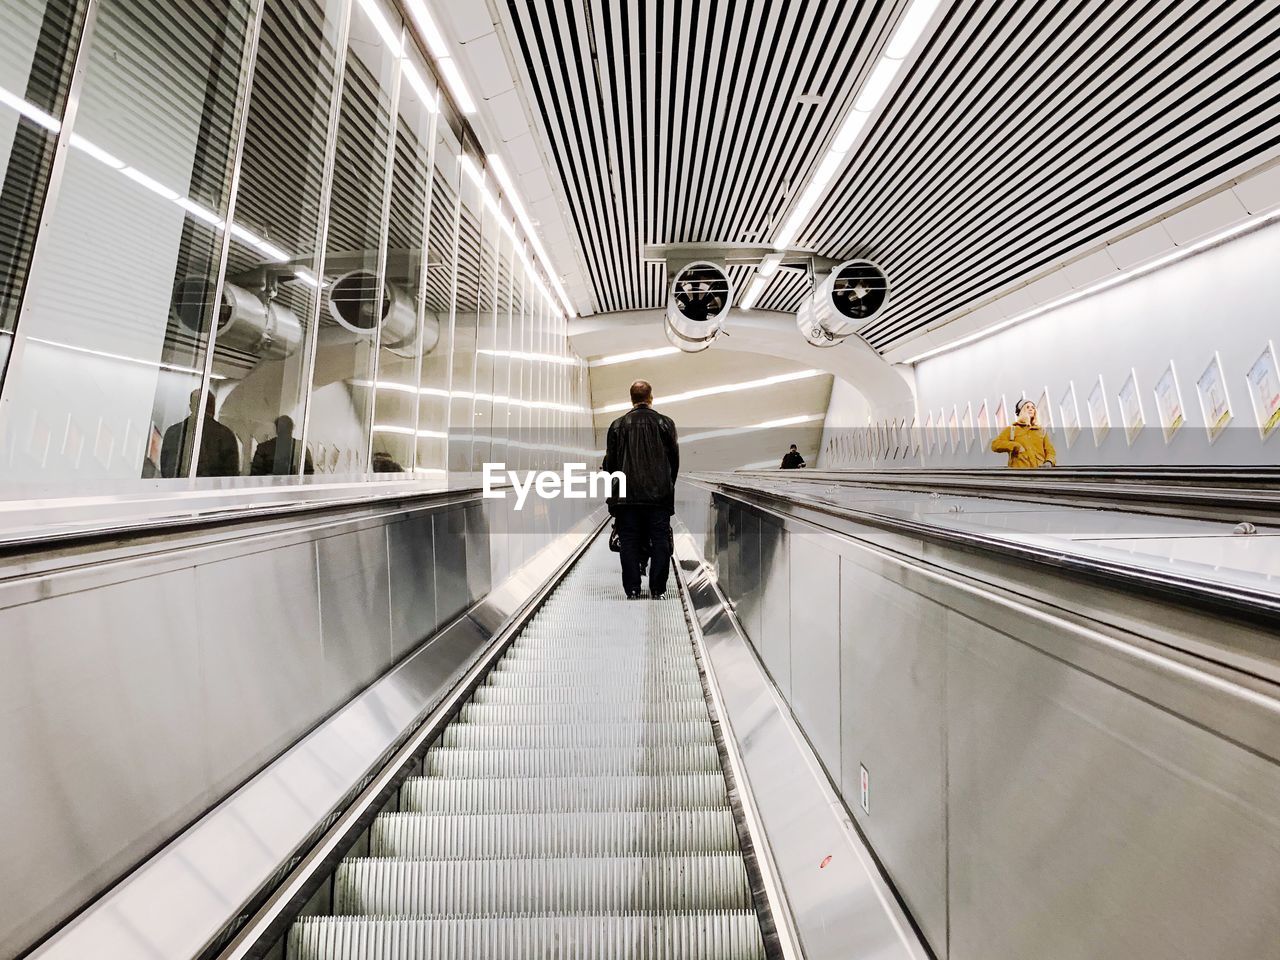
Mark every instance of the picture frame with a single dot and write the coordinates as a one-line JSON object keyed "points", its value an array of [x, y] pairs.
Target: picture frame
{"points": [[966, 423], [1169, 406], [1215, 400], [1131, 414], [1099, 412], [953, 428], [984, 421], [1044, 406], [1069, 407], [1263, 379]]}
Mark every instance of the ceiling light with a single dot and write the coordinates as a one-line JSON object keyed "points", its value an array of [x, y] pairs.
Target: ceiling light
{"points": [[427, 27], [458, 87], [30, 111], [508, 184], [754, 289], [634, 355], [766, 425], [419, 85], [847, 135], [722, 388], [93, 150], [200, 213], [389, 36], [155, 186], [910, 26], [874, 87]]}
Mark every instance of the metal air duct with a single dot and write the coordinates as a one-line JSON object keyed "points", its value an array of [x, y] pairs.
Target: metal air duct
{"points": [[700, 297], [246, 323], [351, 304], [853, 293]]}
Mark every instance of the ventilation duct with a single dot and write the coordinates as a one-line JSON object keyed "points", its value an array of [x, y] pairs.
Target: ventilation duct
{"points": [[853, 293], [246, 323], [700, 297], [351, 304]]}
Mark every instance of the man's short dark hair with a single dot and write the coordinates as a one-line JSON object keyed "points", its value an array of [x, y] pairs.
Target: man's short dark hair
{"points": [[793, 446], [641, 392]]}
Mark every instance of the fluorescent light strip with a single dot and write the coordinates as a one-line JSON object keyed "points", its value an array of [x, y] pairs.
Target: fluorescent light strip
{"points": [[375, 16], [155, 364], [111, 160], [457, 86], [906, 35], [633, 355], [754, 289], [766, 425], [409, 431], [522, 355], [1132, 274], [507, 182], [419, 86], [30, 111], [723, 388]]}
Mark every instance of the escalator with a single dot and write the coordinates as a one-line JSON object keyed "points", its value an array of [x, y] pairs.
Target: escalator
{"points": [[574, 808]]}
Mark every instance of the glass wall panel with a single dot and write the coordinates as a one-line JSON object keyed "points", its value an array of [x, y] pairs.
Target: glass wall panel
{"points": [[467, 297], [433, 402], [400, 358], [38, 40], [106, 383], [354, 315], [501, 425], [486, 335], [263, 340]]}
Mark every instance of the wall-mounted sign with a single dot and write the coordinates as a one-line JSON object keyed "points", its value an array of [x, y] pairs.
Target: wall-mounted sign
{"points": [[1131, 408], [1215, 404], [1099, 412], [1264, 390], [1169, 403]]}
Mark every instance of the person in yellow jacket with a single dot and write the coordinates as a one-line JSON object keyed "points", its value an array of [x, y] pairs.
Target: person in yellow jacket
{"points": [[1025, 441]]}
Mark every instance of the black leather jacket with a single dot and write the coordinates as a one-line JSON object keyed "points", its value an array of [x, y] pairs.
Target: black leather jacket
{"points": [[642, 445]]}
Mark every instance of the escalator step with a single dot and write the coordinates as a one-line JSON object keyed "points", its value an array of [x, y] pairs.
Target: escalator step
{"points": [[570, 761], [694, 791], [576, 834], [580, 713], [724, 935], [507, 887], [471, 736], [579, 694]]}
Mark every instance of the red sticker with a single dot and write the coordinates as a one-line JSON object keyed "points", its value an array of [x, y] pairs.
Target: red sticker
{"points": [[825, 861]]}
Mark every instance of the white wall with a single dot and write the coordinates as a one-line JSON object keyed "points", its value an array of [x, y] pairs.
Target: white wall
{"points": [[847, 411], [1225, 299]]}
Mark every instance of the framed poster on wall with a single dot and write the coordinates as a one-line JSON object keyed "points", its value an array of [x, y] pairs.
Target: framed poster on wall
{"points": [[967, 423], [1131, 408], [984, 422], [1001, 418], [1099, 412], [953, 428], [1044, 408], [1169, 403], [1264, 391], [1069, 408], [1215, 403]]}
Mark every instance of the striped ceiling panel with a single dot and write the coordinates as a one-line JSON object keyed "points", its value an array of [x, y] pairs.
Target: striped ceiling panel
{"points": [[1023, 132]]}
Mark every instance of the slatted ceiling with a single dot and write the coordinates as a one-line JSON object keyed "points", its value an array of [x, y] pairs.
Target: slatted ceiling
{"points": [[677, 120], [1064, 126], [440, 245], [1022, 134]]}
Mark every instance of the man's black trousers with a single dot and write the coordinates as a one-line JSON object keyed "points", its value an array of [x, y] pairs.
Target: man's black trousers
{"points": [[644, 531]]}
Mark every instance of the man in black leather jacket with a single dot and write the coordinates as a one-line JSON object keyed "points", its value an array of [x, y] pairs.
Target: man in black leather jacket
{"points": [[643, 447]]}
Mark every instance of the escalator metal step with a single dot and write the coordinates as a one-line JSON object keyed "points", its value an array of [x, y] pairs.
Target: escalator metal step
{"points": [[575, 834], [694, 791], [578, 694], [489, 736], [510, 887], [580, 713], [721, 935], [571, 761]]}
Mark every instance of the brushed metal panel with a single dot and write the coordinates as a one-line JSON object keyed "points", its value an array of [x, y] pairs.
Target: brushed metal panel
{"points": [[101, 737], [747, 601], [411, 553], [774, 641], [893, 661], [449, 532], [477, 532], [815, 644], [261, 687], [1085, 822], [355, 609]]}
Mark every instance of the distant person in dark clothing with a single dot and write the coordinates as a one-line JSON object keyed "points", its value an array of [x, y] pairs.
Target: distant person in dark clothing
{"points": [[643, 447], [219, 448], [383, 462], [279, 455], [792, 460]]}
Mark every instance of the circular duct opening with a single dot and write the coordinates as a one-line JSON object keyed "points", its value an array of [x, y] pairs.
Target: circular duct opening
{"points": [[859, 289], [700, 297], [351, 301]]}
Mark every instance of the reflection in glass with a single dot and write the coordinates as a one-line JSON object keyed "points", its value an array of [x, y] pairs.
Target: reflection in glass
{"points": [[396, 392], [107, 365], [37, 41], [354, 315], [433, 389], [269, 298], [465, 304], [486, 337]]}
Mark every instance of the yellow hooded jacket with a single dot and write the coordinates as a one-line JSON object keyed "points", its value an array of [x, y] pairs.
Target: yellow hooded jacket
{"points": [[1028, 447]]}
